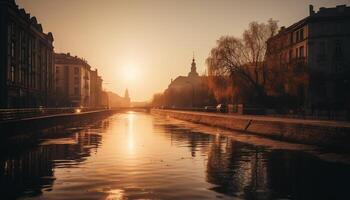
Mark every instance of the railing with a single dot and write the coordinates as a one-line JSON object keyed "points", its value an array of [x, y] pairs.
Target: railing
{"points": [[17, 114]]}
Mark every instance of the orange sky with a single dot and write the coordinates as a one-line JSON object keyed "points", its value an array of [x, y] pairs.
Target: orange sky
{"points": [[153, 39]]}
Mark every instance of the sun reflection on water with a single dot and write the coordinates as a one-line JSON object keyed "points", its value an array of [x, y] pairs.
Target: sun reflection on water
{"points": [[115, 194], [130, 132]]}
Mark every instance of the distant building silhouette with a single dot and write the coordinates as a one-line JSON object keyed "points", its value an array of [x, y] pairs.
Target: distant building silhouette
{"points": [[116, 101], [187, 91], [186, 81], [127, 97], [26, 72], [319, 42], [105, 99]]}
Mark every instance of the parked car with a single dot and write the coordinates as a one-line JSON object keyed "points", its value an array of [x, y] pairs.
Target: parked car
{"points": [[210, 108], [221, 108]]}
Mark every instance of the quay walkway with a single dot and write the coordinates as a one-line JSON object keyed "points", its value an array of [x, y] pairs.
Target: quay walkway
{"points": [[315, 132]]}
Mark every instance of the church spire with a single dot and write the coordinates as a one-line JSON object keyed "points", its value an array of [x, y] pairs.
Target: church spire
{"points": [[126, 94], [127, 97], [193, 68]]}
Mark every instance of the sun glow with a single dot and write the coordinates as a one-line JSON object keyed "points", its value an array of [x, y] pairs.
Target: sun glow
{"points": [[130, 73]]}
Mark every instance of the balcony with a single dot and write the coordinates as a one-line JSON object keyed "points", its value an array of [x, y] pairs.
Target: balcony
{"points": [[298, 65], [298, 61]]}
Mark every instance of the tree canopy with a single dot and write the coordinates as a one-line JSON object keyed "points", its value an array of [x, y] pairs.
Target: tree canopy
{"points": [[242, 60]]}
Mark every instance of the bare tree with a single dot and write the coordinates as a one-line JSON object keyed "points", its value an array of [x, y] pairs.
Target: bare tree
{"points": [[242, 59]]}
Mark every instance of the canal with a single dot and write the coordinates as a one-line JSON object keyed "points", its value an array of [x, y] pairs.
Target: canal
{"points": [[135, 155]]}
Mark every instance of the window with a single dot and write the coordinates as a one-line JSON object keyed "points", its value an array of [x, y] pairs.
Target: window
{"points": [[338, 67], [12, 29], [297, 36], [301, 52], [321, 54], [76, 80], [322, 50], [9, 39], [290, 55], [296, 52], [301, 34], [338, 49], [12, 49], [12, 73], [76, 70], [22, 76], [76, 91]]}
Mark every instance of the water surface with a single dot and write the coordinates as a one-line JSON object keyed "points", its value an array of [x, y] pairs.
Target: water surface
{"points": [[140, 156]]}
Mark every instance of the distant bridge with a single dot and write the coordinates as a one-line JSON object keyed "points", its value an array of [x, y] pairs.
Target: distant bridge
{"points": [[132, 108]]}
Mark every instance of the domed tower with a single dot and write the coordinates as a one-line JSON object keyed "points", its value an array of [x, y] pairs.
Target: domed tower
{"points": [[193, 72]]}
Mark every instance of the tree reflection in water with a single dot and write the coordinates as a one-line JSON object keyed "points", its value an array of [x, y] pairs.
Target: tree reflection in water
{"points": [[254, 172]]}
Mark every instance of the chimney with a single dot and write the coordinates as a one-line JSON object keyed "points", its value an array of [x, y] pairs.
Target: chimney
{"points": [[311, 10], [281, 29], [68, 54]]}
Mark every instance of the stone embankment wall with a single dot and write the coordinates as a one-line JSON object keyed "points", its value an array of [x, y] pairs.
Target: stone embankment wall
{"points": [[322, 133], [14, 127]]}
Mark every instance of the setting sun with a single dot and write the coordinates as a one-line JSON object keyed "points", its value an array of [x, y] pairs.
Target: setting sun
{"points": [[130, 73]]}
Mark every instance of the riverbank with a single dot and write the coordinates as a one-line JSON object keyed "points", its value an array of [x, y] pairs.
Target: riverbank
{"points": [[316, 132], [17, 126]]}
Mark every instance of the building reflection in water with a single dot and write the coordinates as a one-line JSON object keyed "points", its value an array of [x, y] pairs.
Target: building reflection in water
{"points": [[27, 171]]}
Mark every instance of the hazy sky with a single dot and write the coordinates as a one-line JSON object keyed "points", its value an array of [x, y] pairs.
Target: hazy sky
{"points": [[142, 44]]}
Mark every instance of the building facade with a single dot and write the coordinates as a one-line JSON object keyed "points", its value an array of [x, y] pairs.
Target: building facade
{"points": [[76, 84], [312, 53], [95, 89], [26, 59]]}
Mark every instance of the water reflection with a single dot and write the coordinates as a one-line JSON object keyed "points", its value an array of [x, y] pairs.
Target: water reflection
{"points": [[26, 172], [140, 156], [253, 172], [237, 169], [130, 129]]}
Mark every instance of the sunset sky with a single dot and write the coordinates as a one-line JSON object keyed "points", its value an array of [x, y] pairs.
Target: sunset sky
{"points": [[142, 44]]}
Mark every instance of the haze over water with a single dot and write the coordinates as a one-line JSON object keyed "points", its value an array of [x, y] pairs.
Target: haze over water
{"points": [[141, 156]]}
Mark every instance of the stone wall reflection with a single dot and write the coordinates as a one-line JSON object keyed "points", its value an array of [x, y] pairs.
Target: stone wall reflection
{"points": [[26, 171]]}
